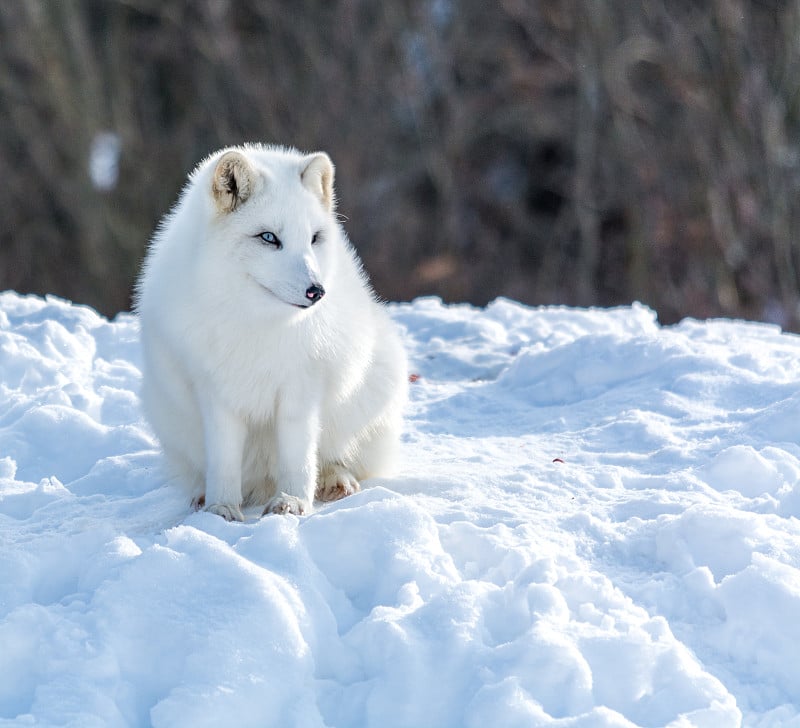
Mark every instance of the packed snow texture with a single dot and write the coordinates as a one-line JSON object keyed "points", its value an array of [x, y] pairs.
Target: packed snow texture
{"points": [[595, 524]]}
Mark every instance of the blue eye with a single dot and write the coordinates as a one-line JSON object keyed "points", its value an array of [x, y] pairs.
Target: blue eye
{"points": [[271, 239]]}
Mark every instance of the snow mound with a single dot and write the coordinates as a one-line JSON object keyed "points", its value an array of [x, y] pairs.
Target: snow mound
{"points": [[596, 524]]}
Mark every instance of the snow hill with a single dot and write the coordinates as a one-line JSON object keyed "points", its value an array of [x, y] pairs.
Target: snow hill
{"points": [[595, 524]]}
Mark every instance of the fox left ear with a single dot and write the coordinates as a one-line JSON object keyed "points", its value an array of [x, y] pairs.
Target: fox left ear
{"points": [[317, 176], [233, 181]]}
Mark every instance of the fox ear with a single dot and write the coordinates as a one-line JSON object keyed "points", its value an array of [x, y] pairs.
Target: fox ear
{"points": [[233, 181], [317, 176]]}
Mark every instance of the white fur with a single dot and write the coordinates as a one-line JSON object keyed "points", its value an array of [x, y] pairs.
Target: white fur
{"points": [[255, 400]]}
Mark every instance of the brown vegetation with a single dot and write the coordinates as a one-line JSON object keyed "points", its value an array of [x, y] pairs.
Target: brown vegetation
{"points": [[573, 151]]}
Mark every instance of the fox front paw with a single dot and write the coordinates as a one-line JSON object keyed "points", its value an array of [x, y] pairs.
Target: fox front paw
{"points": [[228, 511], [336, 483], [284, 503]]}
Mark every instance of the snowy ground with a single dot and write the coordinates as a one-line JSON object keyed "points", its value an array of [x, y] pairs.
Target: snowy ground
{"points": [[596, 524]]}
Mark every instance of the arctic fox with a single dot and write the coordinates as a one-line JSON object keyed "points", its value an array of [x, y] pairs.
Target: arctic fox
{"points": [[271, 374]]}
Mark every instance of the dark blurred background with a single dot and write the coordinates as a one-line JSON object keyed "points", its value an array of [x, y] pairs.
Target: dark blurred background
{"points": [[553, 151]]}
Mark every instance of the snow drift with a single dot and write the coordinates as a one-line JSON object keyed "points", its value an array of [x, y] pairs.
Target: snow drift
{"points": [[596, 524]]}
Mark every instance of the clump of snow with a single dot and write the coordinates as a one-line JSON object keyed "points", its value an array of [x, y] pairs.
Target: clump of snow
{"points": [[104, 154], [595, 524]]}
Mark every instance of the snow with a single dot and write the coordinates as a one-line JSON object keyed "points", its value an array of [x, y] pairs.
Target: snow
{"points": [[104, 157], [595, 524]]}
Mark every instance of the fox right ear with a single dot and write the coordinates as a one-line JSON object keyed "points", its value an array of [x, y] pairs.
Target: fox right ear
{"points": [[233, 181], [317, 176]]}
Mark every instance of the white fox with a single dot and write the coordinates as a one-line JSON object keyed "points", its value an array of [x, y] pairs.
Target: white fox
{"points": [[270, 372]]}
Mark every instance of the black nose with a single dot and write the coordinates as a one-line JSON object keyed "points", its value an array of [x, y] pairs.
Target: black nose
{"points": [[314, 293]]}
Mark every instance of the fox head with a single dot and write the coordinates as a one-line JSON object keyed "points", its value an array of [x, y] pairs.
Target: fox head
{"points": [[274, 214]]}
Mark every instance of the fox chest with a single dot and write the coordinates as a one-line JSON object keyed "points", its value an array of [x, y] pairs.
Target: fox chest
{"points": [[257, 383]]}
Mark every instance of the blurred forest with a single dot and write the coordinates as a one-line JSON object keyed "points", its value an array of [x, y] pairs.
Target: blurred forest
{"points": [[562, 151]]}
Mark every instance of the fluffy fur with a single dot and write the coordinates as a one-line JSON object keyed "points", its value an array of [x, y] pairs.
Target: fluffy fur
{"points": [[261, 388]]}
